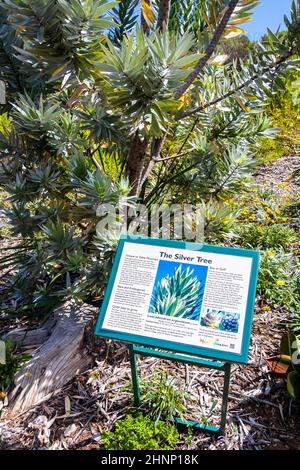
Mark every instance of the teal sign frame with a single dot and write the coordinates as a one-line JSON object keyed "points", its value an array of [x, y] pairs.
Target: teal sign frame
{"points": [[241, 357]]}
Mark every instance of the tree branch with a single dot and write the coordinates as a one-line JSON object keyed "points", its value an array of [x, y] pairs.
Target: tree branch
{"points": [[91, 154], [144, 23], [169, 180], [188, 134], [171, 157], [157, 146], [210, 49], [230, 93], [163, 14], [162, 22]]}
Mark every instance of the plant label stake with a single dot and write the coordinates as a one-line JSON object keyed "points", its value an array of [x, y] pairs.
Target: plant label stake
{"points": [[196, 301]]}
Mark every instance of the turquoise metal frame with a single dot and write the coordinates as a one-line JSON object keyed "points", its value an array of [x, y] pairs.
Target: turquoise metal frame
{"points": [[225, 367], [175, 346]]}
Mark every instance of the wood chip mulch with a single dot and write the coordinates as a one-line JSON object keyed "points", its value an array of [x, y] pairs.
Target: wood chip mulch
{"points": [[261, 414]]}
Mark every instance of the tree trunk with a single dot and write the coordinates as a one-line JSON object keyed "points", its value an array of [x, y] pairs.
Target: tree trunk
{"points": [[135, 164], [157, 148], [163, 15], [58, 360]]}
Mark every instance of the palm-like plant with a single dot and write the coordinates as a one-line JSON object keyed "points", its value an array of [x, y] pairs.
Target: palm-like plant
{"points": [[178, 295]]}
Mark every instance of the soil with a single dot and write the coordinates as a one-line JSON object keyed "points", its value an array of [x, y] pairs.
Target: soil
{"points": [[280, 171]]}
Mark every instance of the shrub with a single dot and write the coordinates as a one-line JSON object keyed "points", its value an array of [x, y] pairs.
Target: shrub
{"points": [[277, 280], [284, 115], [293, 322], [270, 150], [162, 398], [140, 433], [286, 363], [264, 206], [266, 236], [292, 212], [219, 221]]}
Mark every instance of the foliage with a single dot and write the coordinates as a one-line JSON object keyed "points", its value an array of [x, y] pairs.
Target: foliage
{"points": [[293, 321], [219, 221], [283, 112], [69, 29], [293, 384], [291, 212], [162, 398], [278, 280], [57, 256], [178, 295], [266, 237], [205, 417], [268, 221], [4, 228], [236, 48], [137, 80], [13, 362], [216, 177], [201, 16], [124, 14], [4, 123], [140, 433], [267, 206]]}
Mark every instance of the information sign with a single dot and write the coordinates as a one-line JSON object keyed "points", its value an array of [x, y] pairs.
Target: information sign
{"points": [[184, 297]]}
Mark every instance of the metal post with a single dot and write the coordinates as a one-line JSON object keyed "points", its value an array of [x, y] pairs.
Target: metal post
{"points": [[134, 350], [225, 397], [135, 377]]}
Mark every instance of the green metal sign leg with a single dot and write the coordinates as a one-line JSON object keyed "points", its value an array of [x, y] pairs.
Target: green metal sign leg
{"points": [[135, 377], [225, 367], [225, 397]]}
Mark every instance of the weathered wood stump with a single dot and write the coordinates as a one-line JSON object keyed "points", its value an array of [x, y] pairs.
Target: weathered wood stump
{"points": [[61, 355]]}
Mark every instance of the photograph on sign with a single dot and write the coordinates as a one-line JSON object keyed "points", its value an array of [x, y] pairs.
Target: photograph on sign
{"points": [[197, 298], [178, 290]]}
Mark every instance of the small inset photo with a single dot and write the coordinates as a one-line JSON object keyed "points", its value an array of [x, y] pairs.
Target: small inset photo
{"points": [[220, 320], [178, 290]]}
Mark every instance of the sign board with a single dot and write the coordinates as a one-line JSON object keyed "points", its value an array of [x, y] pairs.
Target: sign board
{"points": [[185, 297]]}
